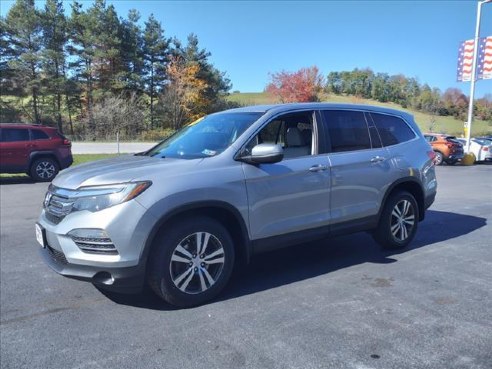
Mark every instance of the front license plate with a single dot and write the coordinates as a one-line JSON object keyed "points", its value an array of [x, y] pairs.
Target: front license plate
{"points": [[40, 235]]}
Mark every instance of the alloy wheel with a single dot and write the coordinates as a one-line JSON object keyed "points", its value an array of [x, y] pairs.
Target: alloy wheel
{"points": [[45, 169], [197, 262], [402, 220]]}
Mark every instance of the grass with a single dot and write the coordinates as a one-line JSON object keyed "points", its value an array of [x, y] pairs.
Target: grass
{"points": [[77, 159], [426, 122], [84, 158]]}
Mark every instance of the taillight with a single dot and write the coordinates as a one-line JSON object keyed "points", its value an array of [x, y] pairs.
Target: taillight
{"points": [[67, 142], [485, 148]]}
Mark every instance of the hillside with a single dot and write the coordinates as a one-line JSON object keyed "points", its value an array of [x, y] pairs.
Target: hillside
{"points": [[426, 122]]}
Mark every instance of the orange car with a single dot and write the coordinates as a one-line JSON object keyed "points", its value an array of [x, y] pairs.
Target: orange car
{"points": [[447, 148]]}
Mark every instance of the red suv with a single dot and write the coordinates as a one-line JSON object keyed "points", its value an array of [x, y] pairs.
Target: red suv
{"points": [[39, 151]]}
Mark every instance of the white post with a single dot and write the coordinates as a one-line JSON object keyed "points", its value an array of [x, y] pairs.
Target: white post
{"points": [[118, 141], [473, 77]]}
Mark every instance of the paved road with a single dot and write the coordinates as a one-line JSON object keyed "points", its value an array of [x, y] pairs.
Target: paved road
{"points": [[338, 303], [109, 147]]}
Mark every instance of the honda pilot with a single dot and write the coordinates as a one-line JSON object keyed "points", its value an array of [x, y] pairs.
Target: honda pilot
{"points": [[180, 216]]}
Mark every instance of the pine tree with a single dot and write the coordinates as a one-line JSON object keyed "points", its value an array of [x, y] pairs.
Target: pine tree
{"points": [[23, 35], [155, 59], [54, 39], [132, 53], [83, 31]]}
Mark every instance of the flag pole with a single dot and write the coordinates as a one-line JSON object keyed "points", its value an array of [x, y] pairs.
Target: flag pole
{"points": [[473, 75]]}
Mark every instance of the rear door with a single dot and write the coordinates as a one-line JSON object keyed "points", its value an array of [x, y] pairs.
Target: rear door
{"points": [[294, 194], [360, 167], [14, 149]]}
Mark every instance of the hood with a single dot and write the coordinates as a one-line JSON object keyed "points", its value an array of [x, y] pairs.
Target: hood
{"points": [[120, 169]]}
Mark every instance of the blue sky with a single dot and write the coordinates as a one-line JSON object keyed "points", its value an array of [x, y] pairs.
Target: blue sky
{"points": [[250, 39]]}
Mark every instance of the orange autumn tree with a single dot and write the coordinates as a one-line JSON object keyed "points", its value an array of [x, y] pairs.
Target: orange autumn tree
{"points": [[184, 92], [301, 86]]}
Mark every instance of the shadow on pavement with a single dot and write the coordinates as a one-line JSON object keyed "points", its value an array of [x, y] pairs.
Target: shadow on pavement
{"points": [[16, 180], [304, 261]]}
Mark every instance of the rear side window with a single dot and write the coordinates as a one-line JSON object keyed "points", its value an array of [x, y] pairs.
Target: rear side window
{"points": [[430, 138], [347, 130], [392, 130], [37, 134], [14, 134]]}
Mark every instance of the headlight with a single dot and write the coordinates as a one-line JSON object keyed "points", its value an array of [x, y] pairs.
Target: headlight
{"points": [[95, 198]]}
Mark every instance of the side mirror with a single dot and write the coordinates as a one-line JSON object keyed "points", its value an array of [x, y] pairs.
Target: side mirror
{"points": [[265, 153]]}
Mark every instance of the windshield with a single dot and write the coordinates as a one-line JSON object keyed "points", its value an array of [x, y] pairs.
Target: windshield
{"points": [[208, 137]]}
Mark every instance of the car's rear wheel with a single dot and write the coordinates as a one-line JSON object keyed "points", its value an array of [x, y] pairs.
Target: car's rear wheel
{"points": [[438, 158], [399, 220], [191, 261], [44, 169]]}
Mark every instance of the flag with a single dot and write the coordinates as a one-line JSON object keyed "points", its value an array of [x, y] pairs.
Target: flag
{"points": [[484, 62], [465, 60]]}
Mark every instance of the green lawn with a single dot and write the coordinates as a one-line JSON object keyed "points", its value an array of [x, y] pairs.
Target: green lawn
{"points": [[426, 122]]}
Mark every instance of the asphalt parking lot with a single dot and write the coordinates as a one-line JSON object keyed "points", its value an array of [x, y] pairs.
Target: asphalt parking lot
{"points": [[340, 303]]}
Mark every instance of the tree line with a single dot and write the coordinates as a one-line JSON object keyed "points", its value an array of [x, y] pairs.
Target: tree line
{"points": [[307, 84], [93, 72]]}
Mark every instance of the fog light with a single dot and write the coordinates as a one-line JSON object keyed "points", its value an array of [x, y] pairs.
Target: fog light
{"points": [[93, 241]]}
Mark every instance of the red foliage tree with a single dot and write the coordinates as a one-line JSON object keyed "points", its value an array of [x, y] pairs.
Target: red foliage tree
{"points": [[301, 86]]}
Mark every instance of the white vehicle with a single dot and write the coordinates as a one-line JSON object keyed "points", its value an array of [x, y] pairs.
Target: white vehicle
{"points": [[481, 147]]}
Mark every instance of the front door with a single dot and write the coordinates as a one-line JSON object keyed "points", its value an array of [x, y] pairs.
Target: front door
{"points": [[294, 194]]}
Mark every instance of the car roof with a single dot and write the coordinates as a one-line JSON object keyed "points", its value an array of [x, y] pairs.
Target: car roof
{"points": [[279, 108], [24, 125]]}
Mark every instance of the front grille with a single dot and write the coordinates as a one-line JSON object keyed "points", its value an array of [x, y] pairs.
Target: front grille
{"points": [[59, 206], [56, 255], [56, 206]]}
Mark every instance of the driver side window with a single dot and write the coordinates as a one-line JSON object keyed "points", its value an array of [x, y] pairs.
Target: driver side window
{"points": [[294, 132]]}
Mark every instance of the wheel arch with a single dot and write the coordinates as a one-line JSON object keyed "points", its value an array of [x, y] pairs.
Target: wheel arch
{"points": [[408, 184], [33, 156], [223, 212]]}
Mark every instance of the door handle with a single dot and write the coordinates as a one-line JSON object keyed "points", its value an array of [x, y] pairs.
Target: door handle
{"points": [[318, 168], [378, 159]]}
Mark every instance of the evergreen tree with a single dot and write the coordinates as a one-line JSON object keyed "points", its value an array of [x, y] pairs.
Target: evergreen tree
{"points": [[82, 49], [23, 37], [54, 39], [155, 52], [216, 81], [132, 52]]}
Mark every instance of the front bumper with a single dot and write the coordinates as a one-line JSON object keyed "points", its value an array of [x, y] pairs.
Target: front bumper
{"points": [[128, 225], [123, 280]]}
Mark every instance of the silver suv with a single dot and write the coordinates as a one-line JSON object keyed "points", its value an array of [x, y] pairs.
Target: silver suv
{"points": [[181, 215]]}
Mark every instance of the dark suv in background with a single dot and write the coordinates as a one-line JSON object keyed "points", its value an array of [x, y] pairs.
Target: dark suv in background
{"points": [[39, 151]]}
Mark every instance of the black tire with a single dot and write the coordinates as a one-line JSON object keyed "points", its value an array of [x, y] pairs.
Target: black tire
{"points": [[439, 158], [44, 169], [451, 161], [178, 276], [393, 232]]}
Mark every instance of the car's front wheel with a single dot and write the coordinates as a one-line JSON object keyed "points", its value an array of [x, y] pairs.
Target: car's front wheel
{"points": [[399, 220], [44, 169], [191, 261]]}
